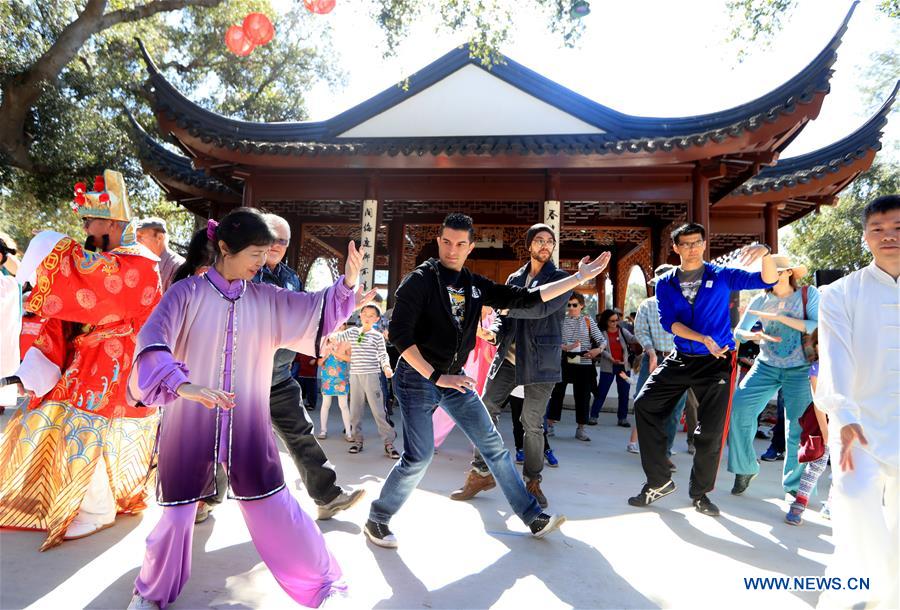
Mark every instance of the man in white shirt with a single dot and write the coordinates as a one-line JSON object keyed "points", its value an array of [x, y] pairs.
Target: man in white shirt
{"points": [[859, 389]]}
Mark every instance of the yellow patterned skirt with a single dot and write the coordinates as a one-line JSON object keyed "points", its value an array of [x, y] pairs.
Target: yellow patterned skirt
{"points": [[48, 456]]}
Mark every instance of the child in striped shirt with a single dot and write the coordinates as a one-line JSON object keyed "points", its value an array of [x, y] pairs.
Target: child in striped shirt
{"points": [[368, 357]]}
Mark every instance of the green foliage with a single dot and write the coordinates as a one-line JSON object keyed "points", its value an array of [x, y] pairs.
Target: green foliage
{"points": [[487, 22], [635, 293], [832, 238], [758, 21], [78, 127]]}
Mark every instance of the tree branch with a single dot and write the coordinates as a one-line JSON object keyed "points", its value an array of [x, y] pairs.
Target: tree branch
{"points": [[151, 8]]}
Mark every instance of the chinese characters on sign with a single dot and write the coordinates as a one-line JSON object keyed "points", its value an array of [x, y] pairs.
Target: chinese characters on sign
{"points": [[367, 242], [552, 219]]}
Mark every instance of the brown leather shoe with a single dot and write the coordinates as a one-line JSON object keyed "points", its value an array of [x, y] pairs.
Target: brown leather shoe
{"points": [[534, 488], [474, 483]]}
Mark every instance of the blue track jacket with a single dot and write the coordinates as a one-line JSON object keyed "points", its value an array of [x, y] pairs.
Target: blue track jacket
{"points": [[709, 314]]}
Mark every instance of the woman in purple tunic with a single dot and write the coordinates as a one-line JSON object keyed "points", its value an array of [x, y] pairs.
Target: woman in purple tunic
{"points": [[206, 353]]}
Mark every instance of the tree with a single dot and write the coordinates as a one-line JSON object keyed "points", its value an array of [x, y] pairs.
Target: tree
{"points": [[832, 238], [757, 21], [488, 21], [68, 69]]}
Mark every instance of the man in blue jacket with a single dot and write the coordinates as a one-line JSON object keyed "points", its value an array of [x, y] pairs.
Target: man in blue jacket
{"points": [[528, 354], [693, 305]]}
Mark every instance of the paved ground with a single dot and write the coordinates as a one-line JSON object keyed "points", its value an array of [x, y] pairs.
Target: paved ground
{"points": [[474, 554]]}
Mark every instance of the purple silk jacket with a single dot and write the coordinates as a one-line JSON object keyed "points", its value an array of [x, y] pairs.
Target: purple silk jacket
{"points": [[201, 325]]}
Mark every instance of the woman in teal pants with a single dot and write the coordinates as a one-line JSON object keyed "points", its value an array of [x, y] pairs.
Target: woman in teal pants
{"points": [[782, 364]]}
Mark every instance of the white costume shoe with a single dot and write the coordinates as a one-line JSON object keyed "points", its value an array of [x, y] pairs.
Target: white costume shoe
{"points": [[98, 507]]}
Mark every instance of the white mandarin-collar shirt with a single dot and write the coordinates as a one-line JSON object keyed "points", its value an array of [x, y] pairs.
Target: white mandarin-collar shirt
{"points": [[859, 351]]}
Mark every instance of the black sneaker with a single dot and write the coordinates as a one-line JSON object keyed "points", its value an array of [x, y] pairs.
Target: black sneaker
{"points": [[649, 495], [741, 483], [705, 506], [379, 534], [543, 524]]}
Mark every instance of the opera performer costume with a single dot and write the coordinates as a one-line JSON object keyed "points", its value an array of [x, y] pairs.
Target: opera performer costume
{"points": [[78, 454], [223, 335]]}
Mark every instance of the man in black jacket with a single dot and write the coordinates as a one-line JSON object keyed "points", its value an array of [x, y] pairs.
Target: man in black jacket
{"points": [[435, 317], [529, 355]]}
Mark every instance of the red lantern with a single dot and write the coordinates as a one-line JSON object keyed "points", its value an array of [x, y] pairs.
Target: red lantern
{"points": [[258, 29], [320, 7], [237, 42]]}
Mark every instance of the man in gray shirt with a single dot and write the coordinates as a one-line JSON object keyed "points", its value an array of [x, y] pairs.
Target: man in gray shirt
{"points": [[152, 233]]}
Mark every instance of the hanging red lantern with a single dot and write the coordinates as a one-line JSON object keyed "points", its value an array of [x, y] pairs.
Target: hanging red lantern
{"points": [[320, 7], [258, 29], [237, 42]]}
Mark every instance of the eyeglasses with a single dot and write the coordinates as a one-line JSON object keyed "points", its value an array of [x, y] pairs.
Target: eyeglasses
{"points": [[693, 245], [573, 305], [282, 242], [544, 242]]}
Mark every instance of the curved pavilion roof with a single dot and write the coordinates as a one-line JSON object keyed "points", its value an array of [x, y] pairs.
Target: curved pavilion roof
{"points": [[738, 143], [742, 139], [806, 181], [175, 174]]}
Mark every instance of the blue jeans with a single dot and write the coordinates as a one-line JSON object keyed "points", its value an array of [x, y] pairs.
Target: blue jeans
{"points": [[675, 418], [604, 384], [417, 398], [751, 397]]}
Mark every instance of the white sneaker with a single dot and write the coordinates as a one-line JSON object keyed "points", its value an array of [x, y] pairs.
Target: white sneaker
{"points": [[139, 603], [632, 448]]}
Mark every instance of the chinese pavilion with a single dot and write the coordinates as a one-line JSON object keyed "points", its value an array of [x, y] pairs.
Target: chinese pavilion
{"points": [[510, 148]]}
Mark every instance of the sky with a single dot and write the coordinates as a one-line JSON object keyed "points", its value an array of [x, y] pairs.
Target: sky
{"points": [[648, 58]]}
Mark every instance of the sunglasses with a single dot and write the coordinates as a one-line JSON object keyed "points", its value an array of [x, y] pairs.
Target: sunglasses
{"points": [[573, 305], [282, 242]]}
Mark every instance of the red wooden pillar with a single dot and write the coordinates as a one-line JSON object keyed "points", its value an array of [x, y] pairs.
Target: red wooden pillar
{"points": [[699, 209], [771, 217]]}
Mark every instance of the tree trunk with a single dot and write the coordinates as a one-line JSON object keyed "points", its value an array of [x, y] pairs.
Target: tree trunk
{"points": [[22, 91]]}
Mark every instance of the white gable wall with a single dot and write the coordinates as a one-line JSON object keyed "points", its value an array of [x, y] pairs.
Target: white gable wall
{"points": [[470, 102]]}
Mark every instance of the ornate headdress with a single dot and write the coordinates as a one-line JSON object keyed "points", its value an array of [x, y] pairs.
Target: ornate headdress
{"points": [[108, 199]]}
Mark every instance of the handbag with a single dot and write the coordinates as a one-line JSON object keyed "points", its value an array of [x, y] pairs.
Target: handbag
{"points": [[812, 443], [575, 357]]}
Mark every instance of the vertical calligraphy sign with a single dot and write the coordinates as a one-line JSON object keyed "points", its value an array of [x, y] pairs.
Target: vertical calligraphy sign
{"points": [[553, 219], [369, 227]]}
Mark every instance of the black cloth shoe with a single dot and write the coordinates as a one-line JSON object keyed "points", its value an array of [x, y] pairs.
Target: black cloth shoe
{"points": [[705, 506], [741, 483], [380, 535], [623, 423], [649, 495], [543, 524]]}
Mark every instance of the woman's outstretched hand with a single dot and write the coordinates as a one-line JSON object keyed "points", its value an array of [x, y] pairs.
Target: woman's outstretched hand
{"points": [[352, 266], [361, 299], [208, 397]]}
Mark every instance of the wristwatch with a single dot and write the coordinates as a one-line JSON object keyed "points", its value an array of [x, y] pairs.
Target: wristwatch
{"points": [[435, 375], [11, 380]]}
